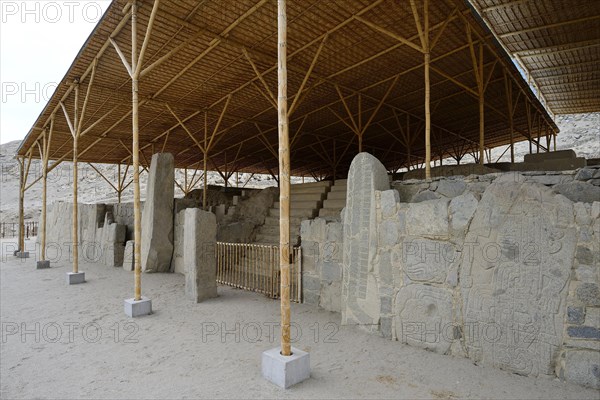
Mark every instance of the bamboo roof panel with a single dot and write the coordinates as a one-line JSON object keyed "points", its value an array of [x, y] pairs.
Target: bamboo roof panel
{"points": [[212, 48], [551, 38]]}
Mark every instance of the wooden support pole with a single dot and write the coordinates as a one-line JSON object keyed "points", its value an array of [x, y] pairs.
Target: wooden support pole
{"points": [[120, 191], [135, 70], [284, 178], [45, 157], [427, 61], [75, 233], [21, 161], [205, 159], [137, 212]]}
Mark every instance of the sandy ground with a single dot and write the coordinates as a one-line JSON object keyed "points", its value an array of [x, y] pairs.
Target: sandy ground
{"points": [[66, 342]]}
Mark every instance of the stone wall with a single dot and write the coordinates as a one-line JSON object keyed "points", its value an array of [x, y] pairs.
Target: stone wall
{"points": [[502, 268], [322, 263], [101, 238]]}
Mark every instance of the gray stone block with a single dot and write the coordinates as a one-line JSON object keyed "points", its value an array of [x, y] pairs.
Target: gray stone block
{"points": [[579, 191], [582, 367], [589, 293], [583, 332], [360, 300], [285, 371], [330, 296], [585, 174], [129, 256], [200, 241], [22, 254], [575, 315], [75, 278], [310, 297], [584, 255], [385, 326], [428, 219], [388, 233], [137, 308], [424, 312], [311, 283], [424, 196], [389, 199], [451, 188], [331, 271], [157, 218], [510, 220], [461, 210], [43, 264], [426, 260]]}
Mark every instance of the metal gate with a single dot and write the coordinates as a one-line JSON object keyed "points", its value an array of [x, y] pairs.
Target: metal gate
{"points": [[255, 267]]}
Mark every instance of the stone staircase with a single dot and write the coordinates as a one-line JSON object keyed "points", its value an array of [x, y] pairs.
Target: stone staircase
{"points": [[306, 200], [336, 200]]}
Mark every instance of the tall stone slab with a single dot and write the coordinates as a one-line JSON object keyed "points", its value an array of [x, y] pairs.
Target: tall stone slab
{"points": [[514, 276], [199, 246], [360, 294], [157, 218]]}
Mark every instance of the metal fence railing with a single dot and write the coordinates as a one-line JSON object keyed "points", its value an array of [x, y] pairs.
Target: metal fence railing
{"points": [[255, 267], [11, 229]]}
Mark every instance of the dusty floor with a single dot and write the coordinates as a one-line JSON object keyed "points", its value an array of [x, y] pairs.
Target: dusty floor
{"points": [[75, 342]]}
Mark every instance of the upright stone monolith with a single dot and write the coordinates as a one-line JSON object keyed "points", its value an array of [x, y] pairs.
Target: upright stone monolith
{"points": [[360, 297], [199, 246], [157, 218]]}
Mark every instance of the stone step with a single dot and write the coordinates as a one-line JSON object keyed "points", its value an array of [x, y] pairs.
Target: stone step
{"points": [[312, 204], [334, 203], [274, 229], [274, 239], [308, 196], [272, 220], [311, 184], [307, 213], [336, 195], [339, 189], [309, 190], [330, 213]]}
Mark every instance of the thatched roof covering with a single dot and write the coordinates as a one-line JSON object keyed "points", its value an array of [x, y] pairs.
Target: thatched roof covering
{"points": [[558, 42], [369, 53]]}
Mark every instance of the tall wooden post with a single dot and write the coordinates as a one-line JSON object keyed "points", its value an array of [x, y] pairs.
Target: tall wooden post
{"points": [[75, 234], [427, 61], [284, 178], [205, 178], [21, 161], [137, 213], [120, 191], [135, 71], [45, 157]]}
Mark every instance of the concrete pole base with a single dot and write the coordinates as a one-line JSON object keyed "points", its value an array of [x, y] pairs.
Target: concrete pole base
{"points": [[43, 264], [285, 371], [22, 254], [137, 308], [74, 278]]}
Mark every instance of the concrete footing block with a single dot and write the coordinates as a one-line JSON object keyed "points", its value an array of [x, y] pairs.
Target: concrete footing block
{"points": [[285, 371], [74, 278], [43, 264], [137, 308], [22, 254]]}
